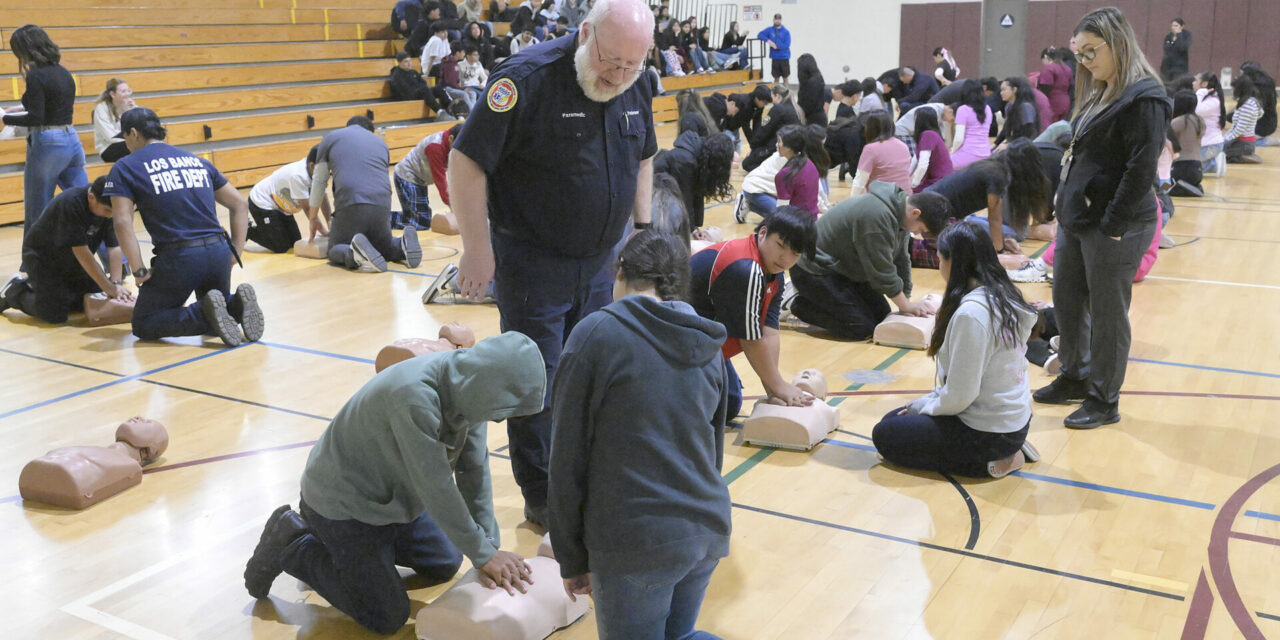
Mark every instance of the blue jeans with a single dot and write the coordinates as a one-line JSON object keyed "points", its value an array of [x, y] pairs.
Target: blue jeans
{"points": [[741, 52], [1008, 230], [460, 94], [543, 295], [353, 565], [176, 274], [658, 604], [699, 58], [55, 157], [761, 203], [734, 383]]}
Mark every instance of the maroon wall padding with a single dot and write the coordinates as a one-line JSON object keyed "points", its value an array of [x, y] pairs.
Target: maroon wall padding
{"points": [[1225, 32]]}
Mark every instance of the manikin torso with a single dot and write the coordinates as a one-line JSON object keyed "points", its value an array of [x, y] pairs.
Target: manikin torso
{"points": [[78, 477]]}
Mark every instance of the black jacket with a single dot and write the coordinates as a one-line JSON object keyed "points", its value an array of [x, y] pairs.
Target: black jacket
{"points": [[811, 97], [681, 162], [407, 85], [844, 142], [1112, 164], [781, 115], [1174, 63], [730, 42]]}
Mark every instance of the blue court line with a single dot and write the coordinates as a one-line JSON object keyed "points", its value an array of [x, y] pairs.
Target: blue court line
{"points": [[499, 455], [413, 273], [1206, 368], [104, 385], [1263, 516], [315, 352], [848, 445]]}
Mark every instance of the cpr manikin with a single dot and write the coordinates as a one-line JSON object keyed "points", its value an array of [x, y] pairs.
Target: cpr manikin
{"points": [[78, 477], [316, 249], [910, 332], [469, 611], [452, 336], [776, 425]]}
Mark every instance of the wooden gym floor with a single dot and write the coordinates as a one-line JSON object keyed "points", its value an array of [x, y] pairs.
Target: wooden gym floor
{"points": [[1169, 520]]}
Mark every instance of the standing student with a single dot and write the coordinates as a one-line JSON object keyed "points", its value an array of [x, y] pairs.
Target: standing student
{"points": [[884, 157], [400, 477], [639, 514], [862, 262], [1239, 143], [1177, 47], [738, 283], [1021, 117], [175, 192], [549, 251], [55, 157], [975, 421], [778, 39], [1107, 214], [1055, 83], [61, 267], [969, 140], [360, 236], [811, 96], [933, 160], [1212, 108], [115, 100], [274, 201], [426, 164]]}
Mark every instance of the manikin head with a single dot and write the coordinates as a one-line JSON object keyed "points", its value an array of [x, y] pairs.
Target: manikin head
{"points": [[813, 381], [613, 42], [148, 437]]}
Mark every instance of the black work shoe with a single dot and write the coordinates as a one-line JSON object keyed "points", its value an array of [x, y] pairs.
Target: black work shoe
{"points": [[283, 527], [246, 311], [536, 515], [1092, 414], [1062, 390], [409, 244], [214, 308]]}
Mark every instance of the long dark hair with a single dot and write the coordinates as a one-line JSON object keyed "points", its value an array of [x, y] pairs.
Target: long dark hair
{"points": [[971, 96], [660, 260], [926, 120], [1210, 79], [792, 137], [1184, 104], [806, 68], [967, 247], [715, 164], [33, 48], [669, 215], [1023, 93], [688, 101], [877, 126], [815, 137], [1242, 88], [1028, 195]]}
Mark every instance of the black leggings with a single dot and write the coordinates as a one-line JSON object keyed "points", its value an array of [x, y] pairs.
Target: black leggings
{"points": [[847, 309], [942, 443]]}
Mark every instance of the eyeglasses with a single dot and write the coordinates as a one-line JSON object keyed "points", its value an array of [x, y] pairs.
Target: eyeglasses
{"points": [[1088, 56], [610, 63]]}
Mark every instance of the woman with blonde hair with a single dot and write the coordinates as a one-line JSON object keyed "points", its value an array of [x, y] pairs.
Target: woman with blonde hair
{"points": [[1107, 214], [114, 101]]}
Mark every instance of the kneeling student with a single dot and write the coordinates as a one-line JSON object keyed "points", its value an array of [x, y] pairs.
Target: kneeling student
{"points": [[863, 257], [975, 422], [738, 283], [639, 514], [401, 478], [58, 251], [274, 200]]}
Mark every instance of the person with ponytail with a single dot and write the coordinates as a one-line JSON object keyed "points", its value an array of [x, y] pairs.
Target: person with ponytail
{"points": [[797, 181], [947, 69], [975, 421], [639, 516], [1212, 108]]}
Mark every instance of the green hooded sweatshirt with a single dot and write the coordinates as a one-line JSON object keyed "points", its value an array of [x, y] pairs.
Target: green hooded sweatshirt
{"points": [[413, 441], [863, 239]]}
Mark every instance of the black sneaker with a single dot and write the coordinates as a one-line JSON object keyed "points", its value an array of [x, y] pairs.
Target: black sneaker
{"points": [[1062, 390], [441, 283], [214, 308], [246, 311], [365, 255], [10, 290], [409, 244], [1092, 414], [283, 527]]}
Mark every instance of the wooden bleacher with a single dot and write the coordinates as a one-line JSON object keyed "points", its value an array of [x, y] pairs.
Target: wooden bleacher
{"points": [[214, 100]]}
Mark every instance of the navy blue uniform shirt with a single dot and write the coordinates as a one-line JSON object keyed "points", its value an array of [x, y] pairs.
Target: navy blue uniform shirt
{"points": [[173, 190], [561, 168]]}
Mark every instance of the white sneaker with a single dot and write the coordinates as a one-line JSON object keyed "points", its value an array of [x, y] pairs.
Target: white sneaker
{"points": [[1053, 365], [1054, 342], [442, 283], [1166, 242], [740, 208], [1035, 271], [1220, 165], [366, 257]]}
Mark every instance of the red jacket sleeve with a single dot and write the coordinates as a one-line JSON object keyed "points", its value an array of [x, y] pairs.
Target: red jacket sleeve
{"points": [[438, 157]]}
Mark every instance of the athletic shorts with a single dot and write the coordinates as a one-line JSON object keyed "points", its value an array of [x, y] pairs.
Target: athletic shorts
{"points": [[782, 68]]}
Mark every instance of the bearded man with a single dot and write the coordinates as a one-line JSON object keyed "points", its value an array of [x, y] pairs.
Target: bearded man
{"points": [[544, 175]]}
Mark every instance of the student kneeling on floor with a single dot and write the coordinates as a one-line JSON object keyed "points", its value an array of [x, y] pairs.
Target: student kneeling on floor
{"points": [[401, 478], [58, 251], [175, 193]]}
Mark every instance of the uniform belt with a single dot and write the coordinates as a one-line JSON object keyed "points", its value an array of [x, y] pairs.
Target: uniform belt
{"points": [[53, 127], [187, 244]]}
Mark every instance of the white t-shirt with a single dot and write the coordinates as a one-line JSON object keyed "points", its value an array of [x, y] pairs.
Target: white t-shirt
{"points": [[105, 126], [518, 43], [285, 189], [472, 74], [437, 49]]}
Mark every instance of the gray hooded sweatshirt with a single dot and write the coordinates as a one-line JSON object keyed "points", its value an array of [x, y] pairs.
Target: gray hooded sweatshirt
{"points": [[413, 441], [982, 379]]}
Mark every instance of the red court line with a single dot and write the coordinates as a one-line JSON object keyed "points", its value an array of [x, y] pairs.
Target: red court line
{"points": [[1255, 538], [1197, 624], [1161, 394], [1220, 563]]}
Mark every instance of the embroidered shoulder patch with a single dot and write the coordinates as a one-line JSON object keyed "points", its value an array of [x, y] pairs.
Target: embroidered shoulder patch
{"points": [[502, 96]]}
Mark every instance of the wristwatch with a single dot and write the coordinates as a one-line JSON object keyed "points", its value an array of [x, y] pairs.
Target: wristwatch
{"points": [[141, 272], [641, 225], [116, 282]]}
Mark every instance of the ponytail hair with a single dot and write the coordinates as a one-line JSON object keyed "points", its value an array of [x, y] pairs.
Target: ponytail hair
{"points": [[657, 260]]}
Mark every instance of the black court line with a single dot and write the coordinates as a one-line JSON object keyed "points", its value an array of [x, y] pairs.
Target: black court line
{"points": [[975, 520], [1268, 616], [964, 552], [63, 362], [240, 400]]}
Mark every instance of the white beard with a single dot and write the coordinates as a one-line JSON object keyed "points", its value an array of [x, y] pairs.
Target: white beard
{"points": [[588, 78]]}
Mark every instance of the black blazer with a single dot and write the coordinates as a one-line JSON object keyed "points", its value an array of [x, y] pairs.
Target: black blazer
{"points": [[781, 115]]}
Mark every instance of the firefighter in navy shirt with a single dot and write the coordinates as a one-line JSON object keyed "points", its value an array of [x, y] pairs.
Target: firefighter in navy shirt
{"points": [[739, 283], [543, 177], [175, 193], [58, 251]]}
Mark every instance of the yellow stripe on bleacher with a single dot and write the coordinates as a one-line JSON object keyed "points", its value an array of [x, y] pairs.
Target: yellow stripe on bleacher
{"points": [[326, 16], [360, 47], [326, 32], [293, 16], [16, 94]]}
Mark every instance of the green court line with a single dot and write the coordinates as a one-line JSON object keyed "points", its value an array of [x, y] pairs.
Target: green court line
{"points": [[1039, 252], [757, 457]]}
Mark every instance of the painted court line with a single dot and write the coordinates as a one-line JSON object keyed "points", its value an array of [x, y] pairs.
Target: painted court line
{"points": [[1202, 367], [62, 362], [1255, 538], [1217, 282], [315, 352]]}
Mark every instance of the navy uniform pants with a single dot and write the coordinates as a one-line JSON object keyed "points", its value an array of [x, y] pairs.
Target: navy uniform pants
{"points": [[162, 310], [543, 295]]}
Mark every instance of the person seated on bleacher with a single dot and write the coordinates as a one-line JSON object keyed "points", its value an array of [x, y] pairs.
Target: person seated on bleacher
{"points": [[472, 74], [426, 164], [561, 28], [405, 15], [360, 234], [58, 252], [525, 19], [451, 75], [574, 11], [274, 200], [500, 12], [436, 50], [476, 36], [422, 31], [408, 84], [115, 100], [523, 41]]}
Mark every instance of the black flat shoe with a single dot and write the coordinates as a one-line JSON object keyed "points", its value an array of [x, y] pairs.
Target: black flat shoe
{"points": [[1092, 414], [1062, 390]]}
